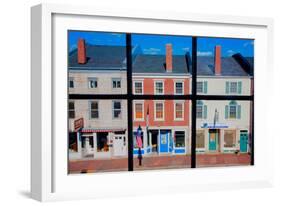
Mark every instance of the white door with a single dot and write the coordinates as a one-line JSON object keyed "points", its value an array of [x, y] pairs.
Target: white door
{"points": [[119, 145]]}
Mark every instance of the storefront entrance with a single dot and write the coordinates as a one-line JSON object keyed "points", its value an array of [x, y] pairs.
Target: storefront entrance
{"points": [[243, 141], [213, 139], [119, 145]]}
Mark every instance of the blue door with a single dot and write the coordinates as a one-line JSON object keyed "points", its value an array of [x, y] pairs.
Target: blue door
{"points": [[243, 141], [164, 142], [213, 138]]}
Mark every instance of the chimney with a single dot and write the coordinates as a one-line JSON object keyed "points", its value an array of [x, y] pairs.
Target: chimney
{"points": [[169, 58], [217, 60], [81, 51]]}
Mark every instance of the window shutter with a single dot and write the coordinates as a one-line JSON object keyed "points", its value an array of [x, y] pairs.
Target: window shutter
{"points": [[239, 87], [205, 87], [239, 112], [226, 112], [226, 87], [205, 111]]}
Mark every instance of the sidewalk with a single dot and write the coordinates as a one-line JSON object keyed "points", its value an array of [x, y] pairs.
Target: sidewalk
{"points": [[158, 162]]}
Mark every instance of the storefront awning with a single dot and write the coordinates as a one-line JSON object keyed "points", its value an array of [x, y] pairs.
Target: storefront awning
{"points": [[214, 126], [102, 130]]}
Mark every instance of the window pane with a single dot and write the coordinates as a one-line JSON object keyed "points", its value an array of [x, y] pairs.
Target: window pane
{"points": [[97, 141], [225, 66], [222, 140], [162, 63], [161, 144], [95, 59]]}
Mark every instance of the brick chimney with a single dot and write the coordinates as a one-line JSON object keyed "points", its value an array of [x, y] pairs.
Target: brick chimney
{"points": [[169, 58], [217, 60], [81, 51]]}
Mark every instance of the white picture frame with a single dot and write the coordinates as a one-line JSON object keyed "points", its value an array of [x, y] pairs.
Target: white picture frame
{"points": [[49, 179]]}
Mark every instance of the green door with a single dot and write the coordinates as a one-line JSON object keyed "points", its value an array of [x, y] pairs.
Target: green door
{"points": [[213, 138], [243, 141]]}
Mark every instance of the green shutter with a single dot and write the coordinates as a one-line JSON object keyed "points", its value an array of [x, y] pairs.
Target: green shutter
{"points": [[205, 87], [226, 87], [205, 111], [239, 87], [226, 111], [239, 112]]}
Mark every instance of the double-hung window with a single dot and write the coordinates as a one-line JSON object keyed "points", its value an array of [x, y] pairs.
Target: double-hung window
{"points": [[159, 111], [92, 82], [117, 109], [71, 110], [159, 87], [179, 110], [179, 87], [94, 109], [138, 106], [116, 83], [138, 87]]}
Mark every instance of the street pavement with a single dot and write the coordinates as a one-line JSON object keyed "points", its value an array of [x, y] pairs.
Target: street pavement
{"points": [[157, 162]]}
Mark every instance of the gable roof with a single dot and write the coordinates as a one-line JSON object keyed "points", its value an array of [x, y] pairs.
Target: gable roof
{"points": [[114, 58], [100, 58]]}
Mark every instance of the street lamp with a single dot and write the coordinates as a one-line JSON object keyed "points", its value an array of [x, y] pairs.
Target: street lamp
{"points": [[139, 144]]}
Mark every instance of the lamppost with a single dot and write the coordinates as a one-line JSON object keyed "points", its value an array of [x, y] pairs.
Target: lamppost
{"points": [[139, 144]]}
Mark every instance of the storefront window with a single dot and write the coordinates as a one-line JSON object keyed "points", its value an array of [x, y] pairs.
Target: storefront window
{"points": [[102, 142], [179, 138], [200, 139], [229, 138]]}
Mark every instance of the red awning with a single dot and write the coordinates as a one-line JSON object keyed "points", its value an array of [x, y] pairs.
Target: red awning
{"points": [[102, 130]]}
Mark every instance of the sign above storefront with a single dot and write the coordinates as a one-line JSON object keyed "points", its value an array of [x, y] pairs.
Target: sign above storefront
{"points": [[214, 126], [78, 124]]}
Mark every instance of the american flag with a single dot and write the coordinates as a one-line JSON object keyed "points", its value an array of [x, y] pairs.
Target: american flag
{"points": [[138, 138]]}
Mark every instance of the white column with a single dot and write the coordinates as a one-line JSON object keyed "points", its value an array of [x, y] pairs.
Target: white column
{"points": [[79, 144], [95, 142], [206, 140], [221, 140]]}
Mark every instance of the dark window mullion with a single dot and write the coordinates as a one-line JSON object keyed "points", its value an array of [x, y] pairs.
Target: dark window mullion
{"points": [[129, 100], [193, 102]]}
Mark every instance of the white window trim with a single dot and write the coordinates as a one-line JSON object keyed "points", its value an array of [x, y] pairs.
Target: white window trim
{"points": [[230, 92], [138, 81], [159, 119], [92, 78], [139, 102], [163, 83], [69, 80], [90, 114], [116, 78], [175, 89], [178, 119], [236, 108], [121, 109], [202, 87], [202, 117], [185, 135]]}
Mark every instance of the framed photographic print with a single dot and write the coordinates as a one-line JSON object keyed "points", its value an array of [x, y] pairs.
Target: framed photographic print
{"points": [[138, 102]]}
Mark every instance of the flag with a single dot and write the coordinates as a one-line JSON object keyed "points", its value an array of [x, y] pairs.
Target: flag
{"points": [[138, 138]]}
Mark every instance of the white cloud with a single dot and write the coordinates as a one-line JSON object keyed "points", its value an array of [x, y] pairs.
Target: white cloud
{"points": [[248, 43], [151, 51], [116, 34], [186, 49], [230, 52], [204, 53]]}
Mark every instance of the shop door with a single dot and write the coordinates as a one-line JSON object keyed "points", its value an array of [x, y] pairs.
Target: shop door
{"points": [[213, 138], [164, 141], [119, 145], [243, 142]]}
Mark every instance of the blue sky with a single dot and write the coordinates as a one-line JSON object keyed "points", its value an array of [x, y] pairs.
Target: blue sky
{"points": [[155, 44]]}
